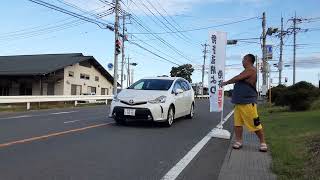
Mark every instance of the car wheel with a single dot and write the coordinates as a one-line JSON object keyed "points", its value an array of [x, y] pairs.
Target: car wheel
{"points": [[190, 116], [170, 117], [120, 121]]}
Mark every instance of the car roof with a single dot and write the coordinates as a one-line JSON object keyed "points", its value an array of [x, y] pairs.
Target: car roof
{"points": [[163, 77]]}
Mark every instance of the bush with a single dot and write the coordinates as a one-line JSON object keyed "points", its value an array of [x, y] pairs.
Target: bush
{"points": [[277, 95], [298, 97]]}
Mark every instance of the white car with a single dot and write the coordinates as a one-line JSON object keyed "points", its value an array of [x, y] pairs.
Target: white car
{"points": [[159, 99]]}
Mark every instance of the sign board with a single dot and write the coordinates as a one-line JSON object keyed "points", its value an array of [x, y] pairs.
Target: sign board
{"points": [[269, 50], [217, 50], [110, 66]]}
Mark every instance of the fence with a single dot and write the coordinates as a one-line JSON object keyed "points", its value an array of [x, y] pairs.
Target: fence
{"points": [[32, 99]]}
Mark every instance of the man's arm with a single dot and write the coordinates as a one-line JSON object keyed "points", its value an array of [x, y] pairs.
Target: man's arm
{"points": [[244, 75]]}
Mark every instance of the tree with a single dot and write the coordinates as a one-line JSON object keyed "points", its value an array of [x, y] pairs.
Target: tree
{"points": [[184, 71]]}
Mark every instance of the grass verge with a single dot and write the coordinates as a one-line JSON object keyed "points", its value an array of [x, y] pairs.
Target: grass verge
{"points": [[294, 138], [39, 106]]}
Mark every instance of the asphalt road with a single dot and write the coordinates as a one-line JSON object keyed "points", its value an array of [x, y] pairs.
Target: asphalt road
{"points": [[83, 144]]}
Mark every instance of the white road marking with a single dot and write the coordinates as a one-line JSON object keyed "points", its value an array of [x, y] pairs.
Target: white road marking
{"points": [[27, 116], [64, 112], [67, 122], [182, 164], [17, 117]]}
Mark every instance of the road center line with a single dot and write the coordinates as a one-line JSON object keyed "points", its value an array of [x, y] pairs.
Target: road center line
{"points": [[182, 164], [63, 112], [67, 122], [52, 135]]}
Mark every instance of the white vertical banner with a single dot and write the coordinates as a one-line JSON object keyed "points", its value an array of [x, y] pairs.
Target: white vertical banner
{"points": [[217, 50]]}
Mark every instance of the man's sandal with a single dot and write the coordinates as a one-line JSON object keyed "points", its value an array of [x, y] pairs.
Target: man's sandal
{"points": [[263, 147], [237, 145]]}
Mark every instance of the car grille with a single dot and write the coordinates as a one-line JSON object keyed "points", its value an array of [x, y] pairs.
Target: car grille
{"points": [[141, 113], [134, 104]]}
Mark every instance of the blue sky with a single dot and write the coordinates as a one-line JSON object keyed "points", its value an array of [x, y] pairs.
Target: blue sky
{"points": [[28, 28]]}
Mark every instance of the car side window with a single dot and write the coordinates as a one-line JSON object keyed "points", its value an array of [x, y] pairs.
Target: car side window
{"points": [[185, 86], [177, 85], [139, 86]]}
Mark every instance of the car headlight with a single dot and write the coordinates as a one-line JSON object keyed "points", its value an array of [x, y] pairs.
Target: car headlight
{"points": [[116, 99], [161, 99]]}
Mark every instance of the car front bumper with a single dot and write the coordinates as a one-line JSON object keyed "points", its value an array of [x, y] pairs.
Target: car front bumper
{"points": [[148, 111]]}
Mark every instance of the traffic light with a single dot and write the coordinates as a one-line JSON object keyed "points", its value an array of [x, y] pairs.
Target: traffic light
{"points": [[118, 46]]}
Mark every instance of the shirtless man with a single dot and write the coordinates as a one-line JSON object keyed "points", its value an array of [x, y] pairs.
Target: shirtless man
{"points": [[244, 97]]}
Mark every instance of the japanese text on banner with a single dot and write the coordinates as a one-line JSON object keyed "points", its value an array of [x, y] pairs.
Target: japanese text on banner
{"points": [[217, 42]]}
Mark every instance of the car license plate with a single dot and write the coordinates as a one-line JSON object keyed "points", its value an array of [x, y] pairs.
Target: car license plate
{"points": [[129, 112]]}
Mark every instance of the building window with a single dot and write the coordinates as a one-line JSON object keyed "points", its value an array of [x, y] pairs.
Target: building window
{"points": [[92, 90], [71, 74], [104, 91], [96, 78], [84, 76]]}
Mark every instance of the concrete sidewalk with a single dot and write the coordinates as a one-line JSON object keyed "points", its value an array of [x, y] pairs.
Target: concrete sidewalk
{"points": [[247, 163]]}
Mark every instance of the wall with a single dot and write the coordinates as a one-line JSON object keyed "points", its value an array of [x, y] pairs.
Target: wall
{"points": [[92, 72]]}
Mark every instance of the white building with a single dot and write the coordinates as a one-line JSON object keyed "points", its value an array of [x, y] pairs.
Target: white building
{"points": [[53, 74]]}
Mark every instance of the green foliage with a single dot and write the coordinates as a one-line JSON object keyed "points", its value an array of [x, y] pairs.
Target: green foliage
{"points": [[184, 71], [298, 97]]}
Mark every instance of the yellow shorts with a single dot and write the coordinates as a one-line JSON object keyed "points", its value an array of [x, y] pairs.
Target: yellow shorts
{"points": [[247, 114]]}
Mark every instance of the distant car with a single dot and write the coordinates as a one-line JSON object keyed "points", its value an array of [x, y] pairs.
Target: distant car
{"points": [[159, 99]]}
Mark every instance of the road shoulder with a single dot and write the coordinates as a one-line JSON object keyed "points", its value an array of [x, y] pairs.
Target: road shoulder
{"points": [[248, 162]]}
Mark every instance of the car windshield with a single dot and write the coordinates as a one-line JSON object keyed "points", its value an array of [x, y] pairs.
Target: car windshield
{"points": [[152, 84]]}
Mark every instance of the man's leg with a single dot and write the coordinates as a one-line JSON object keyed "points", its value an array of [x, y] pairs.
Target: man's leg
{"points": [[238, 131], [260, 135]]}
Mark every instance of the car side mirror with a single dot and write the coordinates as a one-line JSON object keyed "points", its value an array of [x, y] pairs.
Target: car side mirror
{"points": [[178, 91]]}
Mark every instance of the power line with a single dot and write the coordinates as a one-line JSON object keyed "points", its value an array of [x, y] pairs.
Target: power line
{"points": [[175, 22], [36, 31], [181, 35], [201, 28], [159, 50], [84, 18], [157, 18], [140, 23], [153, 53]]}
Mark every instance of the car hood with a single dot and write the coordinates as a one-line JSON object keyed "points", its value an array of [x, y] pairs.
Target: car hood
{"points": [[140, 95]]}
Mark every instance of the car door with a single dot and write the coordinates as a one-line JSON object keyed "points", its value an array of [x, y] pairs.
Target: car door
{"points": [[178, 100], [187, 100]]}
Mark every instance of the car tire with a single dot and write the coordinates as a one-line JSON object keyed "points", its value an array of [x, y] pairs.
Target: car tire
{"points": [[120, 121], [170, 117], [190, 116]]}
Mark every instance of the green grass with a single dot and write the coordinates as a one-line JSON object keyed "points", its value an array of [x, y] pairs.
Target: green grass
{"points": [[291, 137], [35, 106]]}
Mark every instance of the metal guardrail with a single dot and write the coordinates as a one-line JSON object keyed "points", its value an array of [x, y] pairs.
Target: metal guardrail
{"points": [[32, 99], [202, 96]]}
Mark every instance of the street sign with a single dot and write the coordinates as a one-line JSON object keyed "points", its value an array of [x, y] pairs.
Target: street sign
{"points": [[110, 66], [269, 49], [217, 44]]}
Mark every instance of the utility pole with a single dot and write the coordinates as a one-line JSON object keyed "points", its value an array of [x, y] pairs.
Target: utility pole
{"points": [[258, 75], [123, 40], [116, 33], [264, 58], [203, 66], [294, 47], [281, 49], [128, 76]]}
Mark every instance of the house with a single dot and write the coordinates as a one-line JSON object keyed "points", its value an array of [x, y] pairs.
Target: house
{"points": [[53, 74]]}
